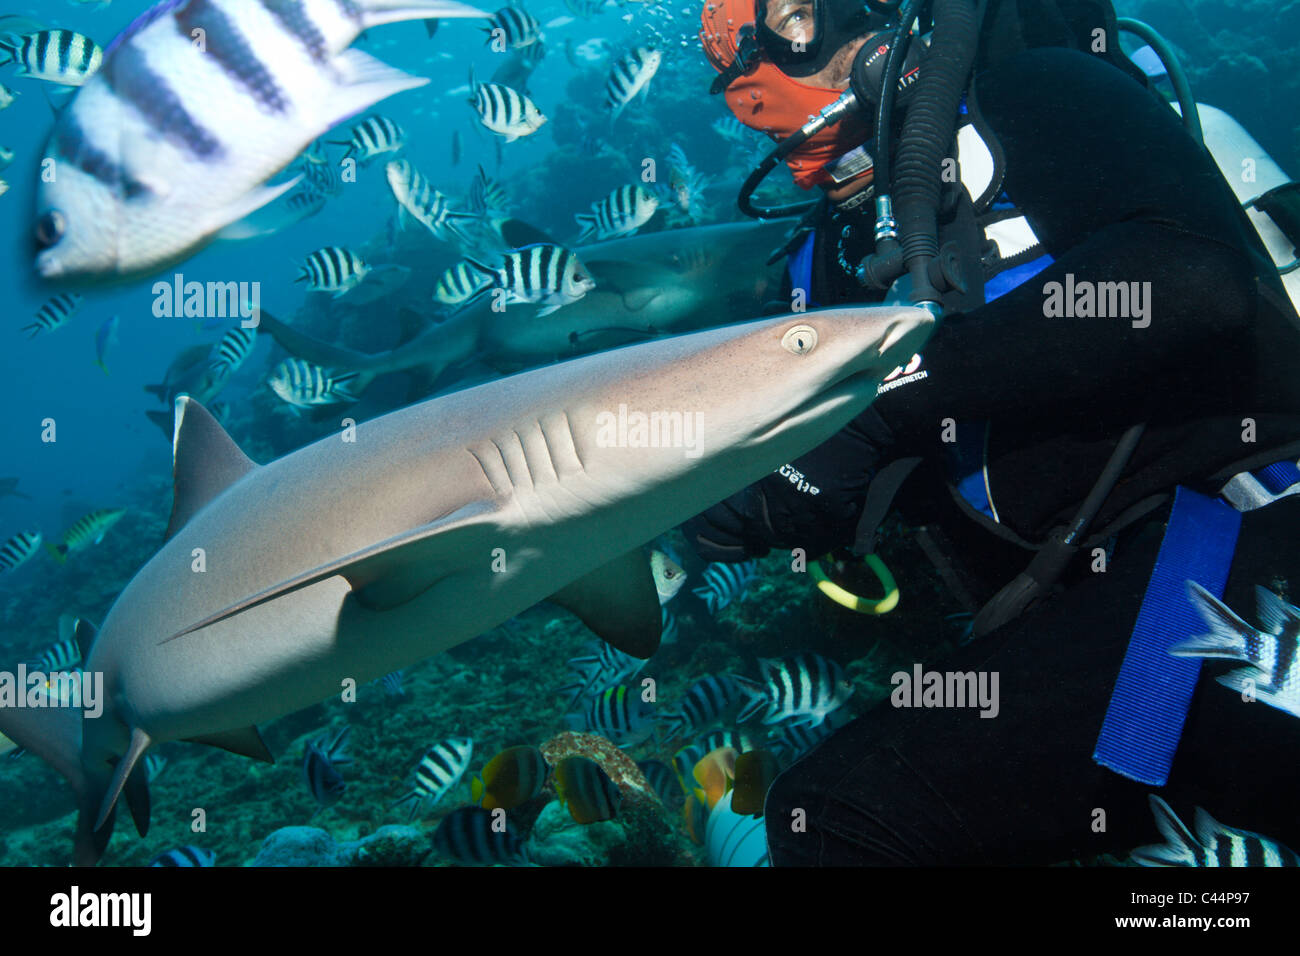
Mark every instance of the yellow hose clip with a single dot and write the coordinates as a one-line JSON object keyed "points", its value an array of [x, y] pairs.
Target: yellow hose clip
{"points": [[855, 602]]}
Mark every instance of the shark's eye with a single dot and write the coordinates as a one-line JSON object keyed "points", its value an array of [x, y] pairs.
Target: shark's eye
{"points": [[801, 339]]}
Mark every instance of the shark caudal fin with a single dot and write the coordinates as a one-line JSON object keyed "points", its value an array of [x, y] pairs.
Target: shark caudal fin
{"points": [[54, 735]]}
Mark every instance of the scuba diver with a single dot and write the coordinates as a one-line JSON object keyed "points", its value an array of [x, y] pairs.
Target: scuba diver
{"points": [[1115, 361]]}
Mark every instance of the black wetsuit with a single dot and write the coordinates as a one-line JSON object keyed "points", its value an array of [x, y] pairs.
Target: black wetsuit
{"points": [[1116, 191]]}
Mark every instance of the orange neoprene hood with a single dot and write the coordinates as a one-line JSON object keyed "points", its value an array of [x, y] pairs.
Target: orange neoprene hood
{"points": [[767, 100]]}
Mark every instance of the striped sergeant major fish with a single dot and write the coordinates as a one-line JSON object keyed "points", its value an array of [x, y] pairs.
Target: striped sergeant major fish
{"points": [[668, 574], [373, 136], [731, 129], [705, 703], [459, 284], [304, 385], [585, 8], [438, 771], [505, 111], [86, 531], [724, 583], [607, 667], [392, 684], [320, 762], [662, 781], [1272, 652], [792, 741], [716, 739], [802, 690], [512, 28], [186, 856], [62, 655], [621, 213], [154, 764], [54, 314], [57, 56], [66, 653], [170, 143], [618, 713], [322, 179], [19, 549], [1213, 845], [6, 97], [416, 197], [333, 269], [542, 274], [487, 195], [471, 837], [6, 156], [630, 76], [232, 351], [668, 627]]}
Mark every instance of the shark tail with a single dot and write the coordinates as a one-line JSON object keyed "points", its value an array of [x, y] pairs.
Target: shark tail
{"points": [[322, 353]]}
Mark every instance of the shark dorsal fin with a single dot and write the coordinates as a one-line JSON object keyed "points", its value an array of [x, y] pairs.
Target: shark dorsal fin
{"points": [[619, 603], [205, 462]]}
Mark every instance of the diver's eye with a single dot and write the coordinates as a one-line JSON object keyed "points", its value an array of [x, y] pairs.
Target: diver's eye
{"points": [[801, 339], [49, 228]]}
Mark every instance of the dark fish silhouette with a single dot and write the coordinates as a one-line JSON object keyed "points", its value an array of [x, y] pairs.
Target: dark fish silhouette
{"points": [[9, 486]]}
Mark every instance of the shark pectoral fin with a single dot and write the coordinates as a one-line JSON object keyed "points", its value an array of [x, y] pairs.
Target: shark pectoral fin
{"points": [[516, 232], [205, 461], [411, 565], [245, 741], [619, 603], [137, 798], [135, 750], [382, 576]]}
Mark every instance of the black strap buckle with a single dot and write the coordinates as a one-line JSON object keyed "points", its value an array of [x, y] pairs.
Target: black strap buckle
{"points": [[747, 54]]}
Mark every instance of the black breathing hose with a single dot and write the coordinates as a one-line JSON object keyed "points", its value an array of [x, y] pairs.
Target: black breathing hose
{"points": [[888, 91], [769, 163], [927, 136]]}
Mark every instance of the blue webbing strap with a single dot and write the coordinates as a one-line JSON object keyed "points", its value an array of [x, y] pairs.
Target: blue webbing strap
{"points": [[799, 265], [1278, 477], [1149, 704]]}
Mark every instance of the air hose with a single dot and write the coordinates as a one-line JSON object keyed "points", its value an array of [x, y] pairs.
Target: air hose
{"points": [[1177, 78]]}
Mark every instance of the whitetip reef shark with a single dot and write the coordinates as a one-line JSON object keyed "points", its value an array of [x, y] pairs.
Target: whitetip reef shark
{"points": [[350, 559], [647, 286]]}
